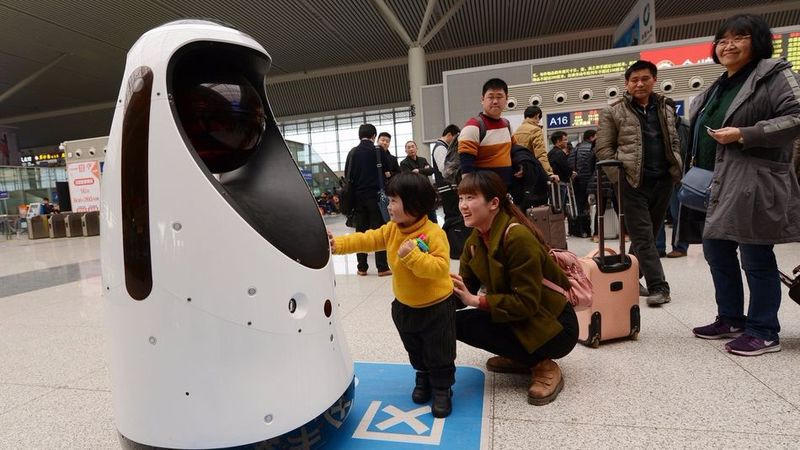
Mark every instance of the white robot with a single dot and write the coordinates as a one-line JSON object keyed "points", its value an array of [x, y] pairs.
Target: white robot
{"points": [[223, 329]]}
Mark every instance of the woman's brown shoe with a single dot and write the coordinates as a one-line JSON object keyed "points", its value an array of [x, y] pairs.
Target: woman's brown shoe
{"points": [[546, 383], [501, 364]]}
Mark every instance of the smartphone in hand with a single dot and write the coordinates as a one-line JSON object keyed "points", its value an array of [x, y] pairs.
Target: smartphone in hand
{"points": [[710, 130]]}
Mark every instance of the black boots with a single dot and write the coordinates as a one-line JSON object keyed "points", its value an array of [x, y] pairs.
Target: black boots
{"points": [[442, 404], [422, 391]]}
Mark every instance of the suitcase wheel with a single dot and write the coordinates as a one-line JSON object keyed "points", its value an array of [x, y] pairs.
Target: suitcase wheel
{"points": [[594, 342], [634, 336]]}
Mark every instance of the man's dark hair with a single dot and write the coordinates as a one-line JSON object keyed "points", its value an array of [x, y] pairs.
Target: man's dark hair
{"points": [[555, 137], [416, 192], [367, 131], [495, 83], [639, 65], [588, 134], [383, 133], [451, 129], [742, 25], [532, 111]]}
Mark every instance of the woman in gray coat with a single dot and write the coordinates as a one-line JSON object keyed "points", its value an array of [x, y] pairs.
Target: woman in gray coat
{"points": [[744, 130]]}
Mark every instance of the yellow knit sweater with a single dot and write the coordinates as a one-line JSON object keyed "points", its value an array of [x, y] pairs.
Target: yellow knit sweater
{"points": [[419, 279]]}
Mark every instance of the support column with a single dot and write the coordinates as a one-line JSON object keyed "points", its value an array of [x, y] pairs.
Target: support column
{"points": [[417, 77]]}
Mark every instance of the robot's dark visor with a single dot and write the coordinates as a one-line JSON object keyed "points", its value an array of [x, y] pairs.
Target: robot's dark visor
{"points": [[221, 113]]}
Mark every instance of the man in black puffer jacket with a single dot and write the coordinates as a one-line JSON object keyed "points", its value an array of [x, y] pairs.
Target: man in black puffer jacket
{"points": [[582, 160]]}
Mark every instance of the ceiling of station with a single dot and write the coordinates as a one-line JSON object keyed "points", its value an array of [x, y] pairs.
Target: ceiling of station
{"points": [[327, 54]]}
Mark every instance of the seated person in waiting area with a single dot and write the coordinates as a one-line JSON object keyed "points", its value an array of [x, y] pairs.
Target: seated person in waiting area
{"points": [[424, 308], [517, 318]]}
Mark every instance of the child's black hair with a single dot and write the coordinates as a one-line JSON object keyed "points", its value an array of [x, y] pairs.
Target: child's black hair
{"points": [[416, 192]]}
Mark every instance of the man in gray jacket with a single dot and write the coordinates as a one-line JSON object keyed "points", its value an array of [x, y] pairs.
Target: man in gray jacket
{"points": [[640, 130]]}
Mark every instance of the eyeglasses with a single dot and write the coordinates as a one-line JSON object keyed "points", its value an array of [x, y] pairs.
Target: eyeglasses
{"points": [[737, 40]]}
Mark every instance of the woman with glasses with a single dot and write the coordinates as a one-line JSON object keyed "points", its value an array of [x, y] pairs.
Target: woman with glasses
{"points": [[743, 131]]}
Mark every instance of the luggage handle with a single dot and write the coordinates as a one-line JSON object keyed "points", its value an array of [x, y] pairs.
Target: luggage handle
{"points": [[555, 193], [573, 207], [601, 214]]}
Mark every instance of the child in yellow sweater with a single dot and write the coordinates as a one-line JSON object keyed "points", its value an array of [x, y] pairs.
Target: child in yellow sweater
{"points": [[423, 310]]}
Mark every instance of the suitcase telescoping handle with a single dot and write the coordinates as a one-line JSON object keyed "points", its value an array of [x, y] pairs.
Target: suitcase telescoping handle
{"points": [[601, 211], [556, 202]]}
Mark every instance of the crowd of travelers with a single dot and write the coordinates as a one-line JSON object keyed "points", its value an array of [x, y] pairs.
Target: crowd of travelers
{"points": [[742, 131]]}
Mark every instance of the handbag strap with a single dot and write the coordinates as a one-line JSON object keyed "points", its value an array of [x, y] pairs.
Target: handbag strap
{"points": [[379, 166]]}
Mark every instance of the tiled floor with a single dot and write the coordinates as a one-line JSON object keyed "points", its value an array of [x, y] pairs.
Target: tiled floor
{"points": [[667, 390]]}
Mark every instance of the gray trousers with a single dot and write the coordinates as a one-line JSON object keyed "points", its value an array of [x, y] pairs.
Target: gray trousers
{"points": [[644, 208]]}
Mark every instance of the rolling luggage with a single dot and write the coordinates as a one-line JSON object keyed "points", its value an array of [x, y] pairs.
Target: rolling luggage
{"points": [[549, 219], [611, 223], [614, 312]]}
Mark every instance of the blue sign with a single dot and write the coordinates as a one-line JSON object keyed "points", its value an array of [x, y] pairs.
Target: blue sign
{"points": [[3, 195], [307, 176], [679, 108], [558, 120], [384, 417]]}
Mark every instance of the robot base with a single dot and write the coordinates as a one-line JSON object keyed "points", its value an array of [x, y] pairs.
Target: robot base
{"points": [[313, 435]]}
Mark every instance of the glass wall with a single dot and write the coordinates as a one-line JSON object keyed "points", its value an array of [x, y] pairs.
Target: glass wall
{"points": [[318, 175], [332, 137], [25, 185]]}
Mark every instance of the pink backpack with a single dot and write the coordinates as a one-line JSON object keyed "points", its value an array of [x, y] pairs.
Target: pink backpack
{"points": [[580, 294]]}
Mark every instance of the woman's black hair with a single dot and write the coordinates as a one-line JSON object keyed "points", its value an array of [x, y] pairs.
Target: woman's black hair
{"points": [[743, 25], [416, 192], [489, 185]]}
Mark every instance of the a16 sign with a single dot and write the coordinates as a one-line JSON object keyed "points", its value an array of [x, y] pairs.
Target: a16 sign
{"points": [[558, 120]]}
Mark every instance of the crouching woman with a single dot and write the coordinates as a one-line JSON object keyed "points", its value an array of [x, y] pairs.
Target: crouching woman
{"points": [[515, 316]]}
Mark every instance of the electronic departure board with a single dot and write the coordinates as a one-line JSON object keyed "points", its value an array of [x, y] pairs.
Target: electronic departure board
{"points": [[581, 71], [785, 45], [586, 118], [793, 50]]}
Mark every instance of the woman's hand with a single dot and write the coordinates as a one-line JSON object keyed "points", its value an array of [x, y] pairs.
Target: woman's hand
{"points": [[406, 248], [463, 293], [727, 135], [331, 241]]}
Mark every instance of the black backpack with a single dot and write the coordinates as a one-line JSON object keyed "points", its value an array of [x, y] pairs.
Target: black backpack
{"points": [[530, 190], [451, 172]]}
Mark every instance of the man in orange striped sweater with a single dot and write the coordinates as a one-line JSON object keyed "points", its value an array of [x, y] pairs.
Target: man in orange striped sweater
{"points": [[490, 150]]}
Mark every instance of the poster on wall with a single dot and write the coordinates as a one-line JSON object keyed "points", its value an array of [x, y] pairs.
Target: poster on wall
{"points": [[84, 185], [638, 27]]}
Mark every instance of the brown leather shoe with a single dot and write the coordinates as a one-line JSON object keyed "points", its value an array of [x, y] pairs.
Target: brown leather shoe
{"points": [[501, 364], [385, 273], [362, 273], [546, 383], [676, 254]]}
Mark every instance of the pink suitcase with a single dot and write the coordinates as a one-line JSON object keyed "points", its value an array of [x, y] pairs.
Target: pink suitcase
{"points": [[614, 313]]}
